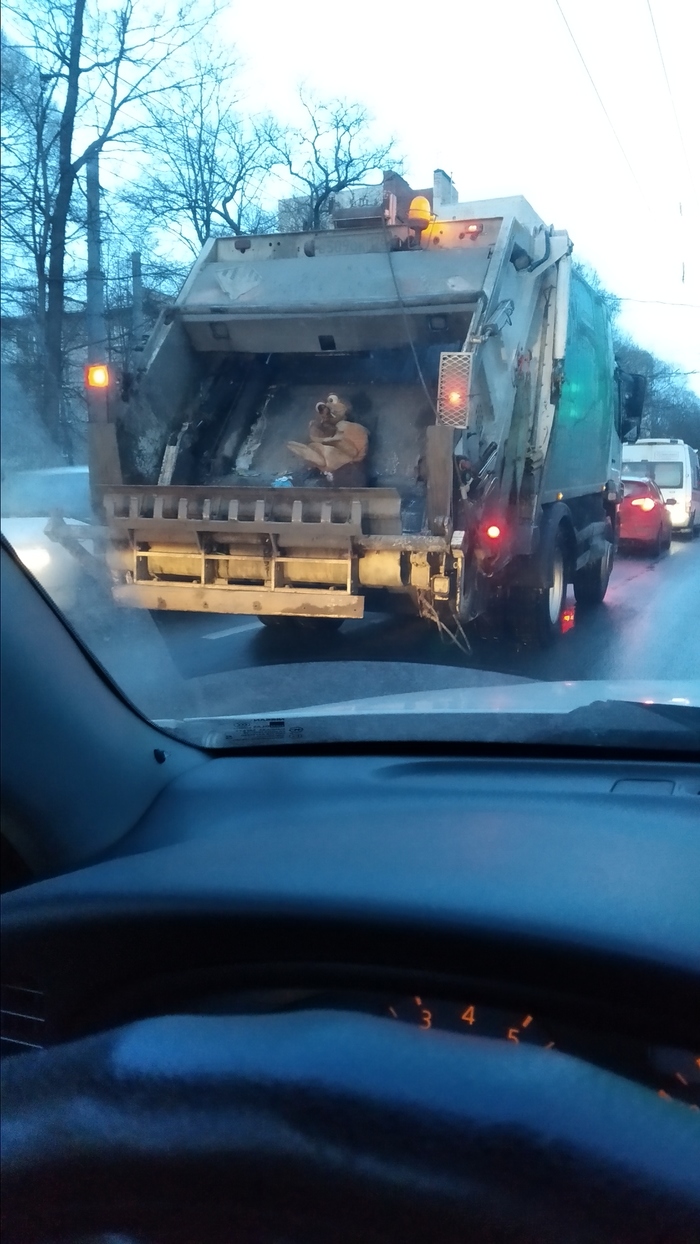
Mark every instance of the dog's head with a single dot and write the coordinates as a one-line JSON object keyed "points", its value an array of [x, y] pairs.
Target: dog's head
{"points": [[338, 408]]}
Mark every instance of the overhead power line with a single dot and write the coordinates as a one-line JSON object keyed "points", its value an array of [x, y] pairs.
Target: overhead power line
{"points": [[670, 92], [599, 97], [659, 302]]}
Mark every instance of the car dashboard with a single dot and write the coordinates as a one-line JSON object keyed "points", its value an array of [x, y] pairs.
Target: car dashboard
{"points": [[671, 1072], [536, 904]]}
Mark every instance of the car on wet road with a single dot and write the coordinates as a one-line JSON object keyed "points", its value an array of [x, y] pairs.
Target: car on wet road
{"points": [[645, 522]]}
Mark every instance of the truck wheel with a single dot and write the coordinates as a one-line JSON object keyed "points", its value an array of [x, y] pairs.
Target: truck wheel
{"points": [[300, 625], [536, 612], [591, 582]]}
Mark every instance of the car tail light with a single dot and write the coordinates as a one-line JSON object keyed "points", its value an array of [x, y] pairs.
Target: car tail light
{"points": [[568, 619], [493, 532], [644, 503]]}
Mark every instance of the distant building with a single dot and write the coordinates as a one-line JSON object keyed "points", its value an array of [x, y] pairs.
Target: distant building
{"points": [[367, 203]]}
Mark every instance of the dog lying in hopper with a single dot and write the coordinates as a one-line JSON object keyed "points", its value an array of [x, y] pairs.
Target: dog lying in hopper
{"points": [[334, 440]]}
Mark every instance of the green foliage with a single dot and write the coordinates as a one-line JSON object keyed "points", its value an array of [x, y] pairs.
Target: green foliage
{"points": [[670, 408]]}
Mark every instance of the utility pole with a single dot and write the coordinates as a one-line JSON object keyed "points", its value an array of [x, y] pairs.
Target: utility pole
{"points": [[95, 295], [103, 456]]}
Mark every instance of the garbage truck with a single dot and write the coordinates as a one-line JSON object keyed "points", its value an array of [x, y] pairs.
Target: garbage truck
{"points": [[416, 408]]}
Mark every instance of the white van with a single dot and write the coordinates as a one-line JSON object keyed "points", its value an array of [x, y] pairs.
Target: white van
{"points": [[673, 466]]}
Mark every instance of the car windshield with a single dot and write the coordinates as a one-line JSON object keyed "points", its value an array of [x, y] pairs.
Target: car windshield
{"points": [[639, 488], [319, 400]]}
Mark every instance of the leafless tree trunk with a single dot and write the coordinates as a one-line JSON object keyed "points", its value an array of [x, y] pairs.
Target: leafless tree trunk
{"points": [[59, 219], [107, 66]]}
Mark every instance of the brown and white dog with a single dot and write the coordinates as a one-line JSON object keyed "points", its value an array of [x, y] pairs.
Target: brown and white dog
{"points": [[334, 441]]}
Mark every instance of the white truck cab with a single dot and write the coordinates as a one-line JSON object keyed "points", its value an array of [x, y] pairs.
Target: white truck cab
{"points": [[673, 466]]}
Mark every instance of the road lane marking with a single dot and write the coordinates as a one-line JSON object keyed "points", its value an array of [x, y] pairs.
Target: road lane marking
{"points": [[234, 630]]}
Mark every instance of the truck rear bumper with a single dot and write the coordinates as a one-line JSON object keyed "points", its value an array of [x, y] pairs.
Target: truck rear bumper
{"points": [[287, 602]]}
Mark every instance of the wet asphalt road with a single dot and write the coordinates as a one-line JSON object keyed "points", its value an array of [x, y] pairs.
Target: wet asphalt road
{"points": [[198, 665]]}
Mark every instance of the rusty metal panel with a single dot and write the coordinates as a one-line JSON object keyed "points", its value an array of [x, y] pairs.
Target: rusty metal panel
{"points": [[295, 570], [167, 563], [405, 544], [440, 471], [420, 571], [382, 502], [296, 515], [380, 569], [103, 455], [336, 283], [289, 602]]}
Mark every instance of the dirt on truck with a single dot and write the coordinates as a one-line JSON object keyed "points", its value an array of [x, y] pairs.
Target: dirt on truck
{"points": [[416, 410]]}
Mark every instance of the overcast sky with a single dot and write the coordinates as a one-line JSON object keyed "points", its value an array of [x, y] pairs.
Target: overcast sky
{"points": [[494, 92]]}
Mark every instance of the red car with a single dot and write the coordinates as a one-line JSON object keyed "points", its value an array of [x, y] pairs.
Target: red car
{"points": [[644, 519]]}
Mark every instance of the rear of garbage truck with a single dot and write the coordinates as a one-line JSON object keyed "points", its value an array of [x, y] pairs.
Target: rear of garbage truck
{"points": [[449, 337]]}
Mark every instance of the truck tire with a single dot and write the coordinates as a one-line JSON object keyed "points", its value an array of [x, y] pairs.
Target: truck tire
{"points": [[591, 582], [300, 625], [536, 612]]}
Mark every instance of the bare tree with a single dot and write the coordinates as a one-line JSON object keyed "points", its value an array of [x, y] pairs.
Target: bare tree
{"points": [[593, 278], [98, 71], [28, 177], [332, 152], [670, 406], [207, 164]]}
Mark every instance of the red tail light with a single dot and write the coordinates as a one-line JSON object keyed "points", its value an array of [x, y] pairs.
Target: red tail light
{"points": [[568, 619], [645, 503], [492, 539]]}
